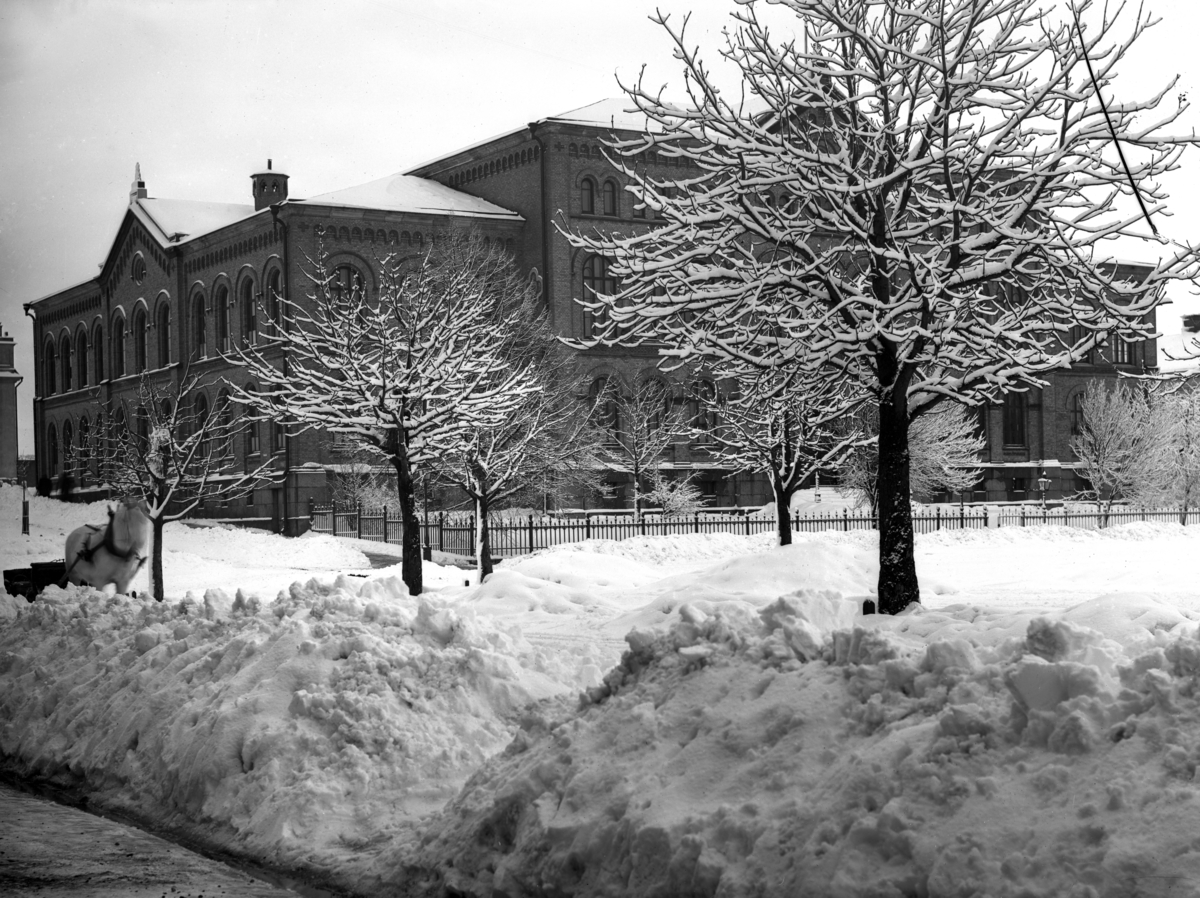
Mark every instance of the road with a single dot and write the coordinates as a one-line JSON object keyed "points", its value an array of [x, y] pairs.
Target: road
{"points": [[49, 850]]}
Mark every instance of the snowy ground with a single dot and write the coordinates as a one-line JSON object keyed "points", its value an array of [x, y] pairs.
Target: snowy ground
{"points": [[1034, 729]]}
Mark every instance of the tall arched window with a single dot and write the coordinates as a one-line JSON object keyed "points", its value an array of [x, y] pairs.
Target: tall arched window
{"points": [[346, 282], [252, 446], [50, 364], [224, 425], [118, 347], [143, 429], [98, 351], [85, 444], [702, 410], [68, 446], [199, 327], [249, 313], [52, 450], [1075, 407], [163, 327], [275, 296], [199, 420], [1015, 406], [587, 196], [81, 357], [139, 339], [221, 310], [609, 198], [597, 279], [65, 356], [602, 401]]}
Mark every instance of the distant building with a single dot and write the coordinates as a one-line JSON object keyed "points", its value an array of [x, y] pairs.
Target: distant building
{"points": [[182, 280], [9, 381]]}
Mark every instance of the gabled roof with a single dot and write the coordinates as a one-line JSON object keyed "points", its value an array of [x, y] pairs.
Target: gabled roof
{"points": [[177, 221], [609, 114], [408, 193]]}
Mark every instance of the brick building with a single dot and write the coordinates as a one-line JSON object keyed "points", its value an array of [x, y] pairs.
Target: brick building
{"points": [[181, 275]]}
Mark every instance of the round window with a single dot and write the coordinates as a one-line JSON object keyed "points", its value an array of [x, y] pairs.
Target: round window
{"points": [[138, 269]]}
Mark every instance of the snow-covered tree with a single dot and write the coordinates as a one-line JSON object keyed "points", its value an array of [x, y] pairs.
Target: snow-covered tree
{"points": [[413, 368], [545, 439], [787, 430], [944, 449], [172, 445], [639, 425], [678, 497], [1120, 445], [917, 194]]}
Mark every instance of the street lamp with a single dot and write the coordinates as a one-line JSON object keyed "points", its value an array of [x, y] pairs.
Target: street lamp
{"points": [[1043, 485]]}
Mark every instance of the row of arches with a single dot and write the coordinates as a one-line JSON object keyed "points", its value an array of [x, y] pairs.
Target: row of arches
{"points": [[233, 251], [235, 311], [502, 164], [81, 446], [379, 236]]}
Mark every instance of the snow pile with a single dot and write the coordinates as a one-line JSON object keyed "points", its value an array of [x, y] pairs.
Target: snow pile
{"points": [[299, 731], [728, 757], [1032, 730]]}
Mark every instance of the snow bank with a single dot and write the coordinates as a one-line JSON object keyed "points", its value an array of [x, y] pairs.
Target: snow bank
{"points": [[723, 758], [300, 731]]}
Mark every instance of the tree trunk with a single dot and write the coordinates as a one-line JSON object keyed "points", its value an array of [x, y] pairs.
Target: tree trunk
{"points": [[156, 567], [483, 539], [783, 512], [898, 586], [410, 533]]}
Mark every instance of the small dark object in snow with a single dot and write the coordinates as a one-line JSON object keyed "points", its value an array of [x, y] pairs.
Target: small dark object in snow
{"points": [[868, 606]]}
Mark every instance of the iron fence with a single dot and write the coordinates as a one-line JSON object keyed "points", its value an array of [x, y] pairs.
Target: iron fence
{"points": [[455, 532]]}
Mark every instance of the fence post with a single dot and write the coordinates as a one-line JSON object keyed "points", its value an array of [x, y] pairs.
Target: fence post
{"points": [[641, 525], [962, 517], [587, 526], [695, 522], [746, 519], [1022, 515], [937, 517], [846, 520], [441, 531], [531, 534], [358, 521], [385, 525]]}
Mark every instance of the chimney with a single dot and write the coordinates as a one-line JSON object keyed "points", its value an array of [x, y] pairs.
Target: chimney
{"points": [[137, 190], [269, 187]]}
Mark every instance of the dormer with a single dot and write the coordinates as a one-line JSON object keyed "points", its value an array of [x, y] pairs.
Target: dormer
{"points": [[269, 186]]}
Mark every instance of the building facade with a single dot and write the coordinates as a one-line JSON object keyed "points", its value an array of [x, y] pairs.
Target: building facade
{"points": [[183, 280], [10, 469]]}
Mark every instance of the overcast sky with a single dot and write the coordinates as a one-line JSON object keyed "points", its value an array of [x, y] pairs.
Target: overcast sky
{"points": [[336, 92]]}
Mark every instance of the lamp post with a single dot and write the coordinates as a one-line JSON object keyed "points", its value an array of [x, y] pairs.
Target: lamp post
{"points": [[1043, 484], [817, 497]]}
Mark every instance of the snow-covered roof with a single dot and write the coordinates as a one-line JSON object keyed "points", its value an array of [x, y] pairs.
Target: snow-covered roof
{"points": [[408, 193], [177, 221], [615, 112]]}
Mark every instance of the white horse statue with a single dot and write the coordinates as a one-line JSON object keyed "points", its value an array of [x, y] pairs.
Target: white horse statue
{"points": [[98, 556]]}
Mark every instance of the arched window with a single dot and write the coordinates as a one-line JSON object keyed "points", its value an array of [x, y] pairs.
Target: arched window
{"points": [[65, 356], [139, 339], [163, 326], [345, 283], [52, 450], [587, 196], [98, 351], [597, 279], [50, 363], [81, 357], [221, 310], [85, 444], [609, 197], [1075, 407], [118, 347], [278, 431], [68, 446], [1015, 406], [252, 447], [224, 425], [199, 420], [275, 297], [249, 313], [702, 411], [143, 429], [602, 401], [199, 327]]}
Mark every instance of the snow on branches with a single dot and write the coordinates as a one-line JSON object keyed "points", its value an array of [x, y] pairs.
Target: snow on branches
{"points": [[917, 197], [411, 367]]}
